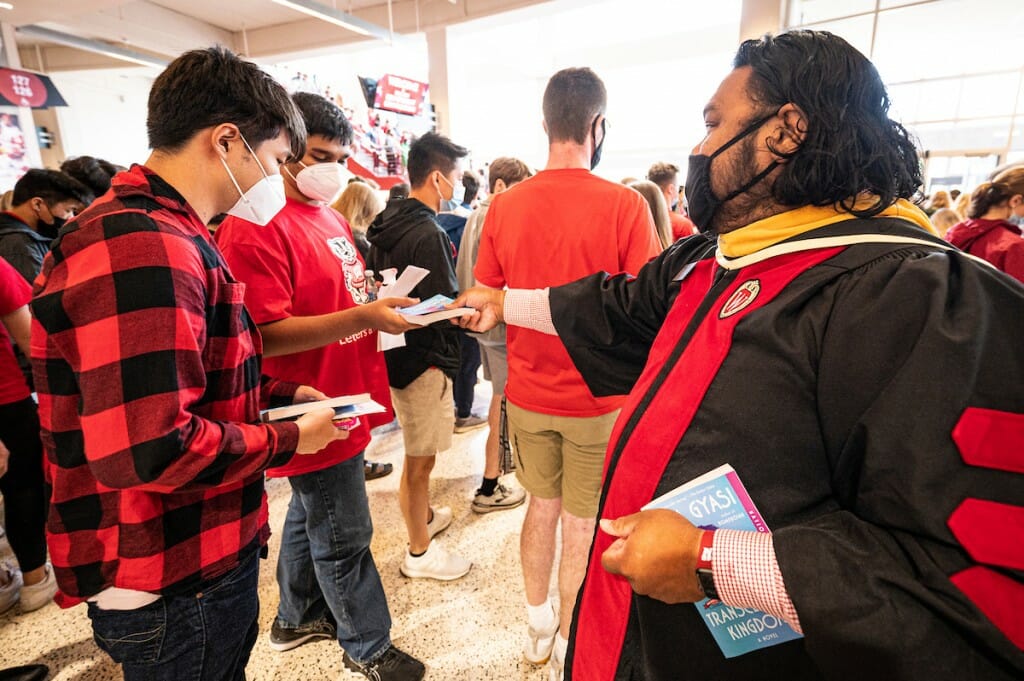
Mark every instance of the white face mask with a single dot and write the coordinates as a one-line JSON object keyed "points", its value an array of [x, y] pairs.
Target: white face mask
{"points": [[263, 201], [458, 193], [320, 181]]}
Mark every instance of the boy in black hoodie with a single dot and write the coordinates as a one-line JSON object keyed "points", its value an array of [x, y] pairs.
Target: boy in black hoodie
{"points": [[421, 373]]}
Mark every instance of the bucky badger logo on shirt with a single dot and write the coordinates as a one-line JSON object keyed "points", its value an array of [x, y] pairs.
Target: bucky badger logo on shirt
{"points": [[355, 279]]}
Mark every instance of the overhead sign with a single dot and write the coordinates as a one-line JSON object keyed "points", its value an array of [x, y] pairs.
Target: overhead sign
{"points": [[22, 88], [400, 95]]}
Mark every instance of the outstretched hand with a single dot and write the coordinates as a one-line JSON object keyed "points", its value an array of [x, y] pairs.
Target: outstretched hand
{"points": [[656, 551], [489, 305]]}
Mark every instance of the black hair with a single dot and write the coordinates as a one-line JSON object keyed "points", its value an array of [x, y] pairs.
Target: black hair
{"points": [[94, 173], [432, 152], [52, 186], [205, 88], [399, 191], [323, 117], [987, 195], [573, 99], [851, 146], [471, 181]]}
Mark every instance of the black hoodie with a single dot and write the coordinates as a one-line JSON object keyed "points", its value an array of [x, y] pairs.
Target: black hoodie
{"points": [[22, 246], [406, 234]]}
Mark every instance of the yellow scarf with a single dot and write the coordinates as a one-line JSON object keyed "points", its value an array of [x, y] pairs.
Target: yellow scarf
{"points": [[770, 231]]}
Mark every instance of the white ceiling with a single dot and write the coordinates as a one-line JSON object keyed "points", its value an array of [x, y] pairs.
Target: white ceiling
{"points": [[261, 29]]}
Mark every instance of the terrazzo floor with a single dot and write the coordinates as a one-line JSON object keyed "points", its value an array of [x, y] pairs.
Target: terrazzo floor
{"points": [[466, 630]]}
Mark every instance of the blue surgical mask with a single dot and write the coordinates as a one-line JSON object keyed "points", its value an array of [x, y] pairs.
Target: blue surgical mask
{"points": [[458, 194]]}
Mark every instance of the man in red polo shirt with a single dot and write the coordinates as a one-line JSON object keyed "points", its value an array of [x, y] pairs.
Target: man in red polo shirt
{"points": [[560, 430]]}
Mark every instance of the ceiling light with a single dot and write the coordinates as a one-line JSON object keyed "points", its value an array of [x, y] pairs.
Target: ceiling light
{"points": [[95, 46], [6, 5], [336, 17]]}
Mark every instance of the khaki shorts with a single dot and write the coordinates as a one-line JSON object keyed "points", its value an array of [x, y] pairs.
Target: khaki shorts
{"points": [[426, 413], [561, 456]]}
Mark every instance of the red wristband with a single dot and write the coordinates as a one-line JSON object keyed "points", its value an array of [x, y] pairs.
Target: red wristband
{"points": [[706, 550]]}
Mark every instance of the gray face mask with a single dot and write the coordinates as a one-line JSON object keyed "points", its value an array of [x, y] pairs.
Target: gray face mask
{"points": [[1015, 219]]}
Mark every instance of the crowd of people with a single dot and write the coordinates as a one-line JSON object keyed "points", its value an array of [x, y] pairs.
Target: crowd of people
{"points": [[988, 222], [791, 312]]}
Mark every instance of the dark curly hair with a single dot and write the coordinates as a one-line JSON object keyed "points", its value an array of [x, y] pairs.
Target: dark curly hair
{"points": [[851, 146]]}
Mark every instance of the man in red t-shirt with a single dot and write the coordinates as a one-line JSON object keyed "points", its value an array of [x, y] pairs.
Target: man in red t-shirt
{"points": [[666, 176], [582, 224], [306, 291]]}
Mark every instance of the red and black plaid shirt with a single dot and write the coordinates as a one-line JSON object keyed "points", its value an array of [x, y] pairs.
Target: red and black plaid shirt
{"points": [[147, 366]]}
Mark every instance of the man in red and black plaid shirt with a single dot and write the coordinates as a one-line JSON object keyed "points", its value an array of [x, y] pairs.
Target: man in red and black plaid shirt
{"points": [[147, 366]]}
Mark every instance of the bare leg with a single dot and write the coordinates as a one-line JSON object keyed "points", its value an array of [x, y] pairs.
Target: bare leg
{"points": [[491, 464], [414, 498], [537, 547], [577, 535]]}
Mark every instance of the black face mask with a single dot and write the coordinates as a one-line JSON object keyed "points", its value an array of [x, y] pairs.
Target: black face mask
{"points": [[50, 230], [595, 157], [701, 200]]}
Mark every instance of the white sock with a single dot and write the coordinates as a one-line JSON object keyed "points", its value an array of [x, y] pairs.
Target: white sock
{"points": [[561, 645], [540, 617]]}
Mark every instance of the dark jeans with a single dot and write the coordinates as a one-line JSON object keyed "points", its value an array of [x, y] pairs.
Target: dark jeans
{"points": [[465, 382], [325, 561], [24, 492], [206, 636]]}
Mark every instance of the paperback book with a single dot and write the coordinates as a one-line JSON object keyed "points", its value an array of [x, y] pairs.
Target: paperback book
{"points": [[718, 500]]}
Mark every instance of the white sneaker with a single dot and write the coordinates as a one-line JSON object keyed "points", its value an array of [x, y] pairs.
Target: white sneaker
{"points": [[10, 587], [440, 522], [539, 642], [436, 563], [556, 666], [35, 596]]}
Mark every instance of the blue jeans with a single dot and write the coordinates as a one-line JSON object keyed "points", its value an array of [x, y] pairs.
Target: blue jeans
{"points": [[205, 636], [325, 562]]}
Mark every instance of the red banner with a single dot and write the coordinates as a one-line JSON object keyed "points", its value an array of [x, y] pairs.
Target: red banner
{"points": [[22, 88], [400, 95]]}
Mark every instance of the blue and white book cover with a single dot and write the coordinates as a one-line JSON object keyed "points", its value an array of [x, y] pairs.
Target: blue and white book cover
{"points": [[718, 500]]}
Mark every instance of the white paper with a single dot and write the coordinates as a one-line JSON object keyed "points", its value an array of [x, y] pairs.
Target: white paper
{"points": [[402, 287]]}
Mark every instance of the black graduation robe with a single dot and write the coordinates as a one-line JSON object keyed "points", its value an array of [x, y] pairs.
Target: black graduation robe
{"points": [[871, 398]]}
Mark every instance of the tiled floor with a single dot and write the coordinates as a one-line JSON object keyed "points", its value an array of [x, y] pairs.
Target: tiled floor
{"points": [[467, 630]]}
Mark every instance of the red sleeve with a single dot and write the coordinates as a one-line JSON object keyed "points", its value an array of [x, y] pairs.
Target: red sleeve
{"points": [[638, 238], [257, 257], [14, 290], [1015, 261], [488, 270]]}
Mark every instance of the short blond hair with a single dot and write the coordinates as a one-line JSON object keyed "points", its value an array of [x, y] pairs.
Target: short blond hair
{"points": [[360, 204], [506, 168]]}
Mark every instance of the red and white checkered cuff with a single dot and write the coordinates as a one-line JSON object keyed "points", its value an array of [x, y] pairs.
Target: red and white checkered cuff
{"points": [[530, 309], [747, 574]]}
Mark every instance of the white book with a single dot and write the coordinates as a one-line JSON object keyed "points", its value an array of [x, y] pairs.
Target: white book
{"points": [[345, 406]]}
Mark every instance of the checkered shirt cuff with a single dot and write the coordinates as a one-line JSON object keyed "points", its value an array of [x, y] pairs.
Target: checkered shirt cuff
{"points": [[747, 574], [530, 309]]}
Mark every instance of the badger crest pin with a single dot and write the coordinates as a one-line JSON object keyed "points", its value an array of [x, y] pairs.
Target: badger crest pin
{"points": [[741, 298]]}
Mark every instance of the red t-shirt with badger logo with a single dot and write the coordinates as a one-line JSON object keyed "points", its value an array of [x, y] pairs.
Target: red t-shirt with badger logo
{"points": [[305, 263]]}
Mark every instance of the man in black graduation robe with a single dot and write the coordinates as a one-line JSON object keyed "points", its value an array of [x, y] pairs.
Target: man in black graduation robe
{"points": [[864, 379]]}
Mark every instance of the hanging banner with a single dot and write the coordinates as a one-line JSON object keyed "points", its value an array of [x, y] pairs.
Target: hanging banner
{"points": [[400, 95], [23, 88]]}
